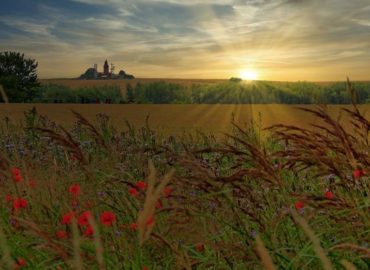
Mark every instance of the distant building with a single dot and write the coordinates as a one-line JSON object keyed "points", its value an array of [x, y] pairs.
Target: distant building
{"points": [[92, 73], [106, 68]]}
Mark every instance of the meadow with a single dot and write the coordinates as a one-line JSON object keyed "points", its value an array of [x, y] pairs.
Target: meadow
{"points": [[95, 196]]}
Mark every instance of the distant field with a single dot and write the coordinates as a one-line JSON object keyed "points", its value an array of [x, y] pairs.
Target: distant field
{"points": [[175, 119], [75, 83]]}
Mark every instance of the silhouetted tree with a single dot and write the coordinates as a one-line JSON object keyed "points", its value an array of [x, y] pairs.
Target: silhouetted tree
{"points": [[18, 76]]}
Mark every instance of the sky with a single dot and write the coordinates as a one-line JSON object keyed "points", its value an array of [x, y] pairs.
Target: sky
{"points": [[312, 40]]}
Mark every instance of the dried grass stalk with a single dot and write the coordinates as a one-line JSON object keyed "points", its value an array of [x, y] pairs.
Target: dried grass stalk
{"points": [[264, 254], [348, 265], [315, 241], [153, 193]]}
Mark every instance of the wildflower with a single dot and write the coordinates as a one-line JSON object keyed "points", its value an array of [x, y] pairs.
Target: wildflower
{"points": [[133, 192], [8, 198], [358, 173], [167, 191], [19, 203], [329, 195], [299, 205], [150, 221], [15, 171], [89, 231], [159, 205], [133, 226], [75, 189], [61, 234], [141, 185], [200, 247], [67, 218], [19, 263], [32, 183], [17, 178], [145, 268], [107, 218], [83, 220]]}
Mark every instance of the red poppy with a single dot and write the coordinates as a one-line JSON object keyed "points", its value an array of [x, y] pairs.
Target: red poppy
{"points": [[141, 185], [299, 205], [61, 234], [200, 247], [329, 195], [32, 183], [133, 192], [75, 189], [89, 231], [159, 205], [167, 191], [19, 263], [145, 268], [84, 218], [8, 198], [150, 221], [19, 203], [107, 218], [17, 178], [133, 226], [67, 218], [15, 171]]}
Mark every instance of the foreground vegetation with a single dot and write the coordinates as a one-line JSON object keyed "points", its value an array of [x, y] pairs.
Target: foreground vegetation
{"points": [[94, 198]]}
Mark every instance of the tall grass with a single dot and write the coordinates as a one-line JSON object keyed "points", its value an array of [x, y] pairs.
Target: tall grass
{"points": [[187, 204]]}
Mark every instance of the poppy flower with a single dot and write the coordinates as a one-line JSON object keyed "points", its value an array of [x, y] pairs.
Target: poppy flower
{"points": [[32, 183], [19, 203], [8, 198], [141, 185], [17, 178], [159, 205], [150, 221], [107, 218], [67, 218], [133, 192], [299, 205], [19, 263], [200, 247], [83, 219], [89, 231], [133, 226], [15, 171], [75, 189], [329, 195], [167, 191], [61, 234], [145, 268]]}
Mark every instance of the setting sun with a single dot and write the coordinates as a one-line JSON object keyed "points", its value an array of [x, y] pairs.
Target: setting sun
{"points": [[250, 75]]}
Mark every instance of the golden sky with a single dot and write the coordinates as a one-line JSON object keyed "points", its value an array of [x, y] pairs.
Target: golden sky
{"points": [[318, 40]]}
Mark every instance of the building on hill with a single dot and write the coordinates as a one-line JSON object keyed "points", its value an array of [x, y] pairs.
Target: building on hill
{"points": [[93, 73]]}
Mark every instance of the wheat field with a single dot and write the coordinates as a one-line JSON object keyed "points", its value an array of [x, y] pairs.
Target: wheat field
{"points": [[175, 118]]}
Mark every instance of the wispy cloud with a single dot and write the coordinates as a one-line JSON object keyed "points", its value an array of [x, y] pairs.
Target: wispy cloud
{"points": [[284, 39]]}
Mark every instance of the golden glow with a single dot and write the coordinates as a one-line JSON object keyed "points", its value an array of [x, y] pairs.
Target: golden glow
{"points": [[250, 75]]}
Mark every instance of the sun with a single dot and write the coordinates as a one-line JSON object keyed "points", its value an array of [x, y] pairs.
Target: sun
{"points": [[250, 75]]}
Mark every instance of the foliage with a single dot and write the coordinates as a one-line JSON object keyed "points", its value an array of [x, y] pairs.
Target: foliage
{"points": [[51, 93], [18, 76], [291, 198]]}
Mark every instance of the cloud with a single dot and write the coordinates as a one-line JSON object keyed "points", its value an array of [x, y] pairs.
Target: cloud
{"points": [[189, 37]]}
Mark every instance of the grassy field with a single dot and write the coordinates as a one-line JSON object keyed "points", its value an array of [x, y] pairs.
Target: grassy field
{"points": [[90, 197], [176, 119]]}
